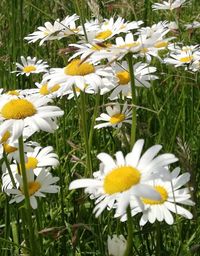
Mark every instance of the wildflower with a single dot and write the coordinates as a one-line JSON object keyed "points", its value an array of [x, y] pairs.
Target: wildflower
{"points": [[143, 75], [170, 5], [44, 90], [37, 159], [109, 28], [81, 74], [43, 183], [194, 24], [116, 245], [122, 179], [40, 158], [183, 56], [57, 30], [32, 111], [31, 66], [172, 194], [115, 116], [92, 52]]}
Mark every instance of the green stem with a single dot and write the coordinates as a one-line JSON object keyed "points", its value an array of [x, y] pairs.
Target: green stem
{"points": [[27, 199], [9, 169], [93, 119], [85, 132], [81, 18], [158, 240], [129, 247], [7, 223], [133, 94]]}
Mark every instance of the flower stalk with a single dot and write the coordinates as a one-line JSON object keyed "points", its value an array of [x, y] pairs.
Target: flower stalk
{"points": [[28, 210], [133, 93]]}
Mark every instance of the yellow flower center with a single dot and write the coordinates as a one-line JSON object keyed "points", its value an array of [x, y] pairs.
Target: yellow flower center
{"points": [[18, 109], [13, 92], [121, 179], [98, 47], [5, 137], [124, 77], [186, 59], [144, 50], [117, 118], [129, 45], [161, 44], [77, 89], [29, 69], [45, 91], [76, 68], [9, 149], [33, 187], [31, 163], [163, 194], [104, 34]]}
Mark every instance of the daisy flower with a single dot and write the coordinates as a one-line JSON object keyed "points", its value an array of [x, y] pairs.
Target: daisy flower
{"points": [[124, 45], [44, 90], [57, 30], [115, 116], [143, 76], [170, 5], [124, 178], [37, 159], [160, 27], [183, 56], [31, 111], [31, 66], [172, 195], [43, 183], [116, 245], [109, 28], [40, 158], [11, 148], [194, 24], [81, 74], [92, 52]]}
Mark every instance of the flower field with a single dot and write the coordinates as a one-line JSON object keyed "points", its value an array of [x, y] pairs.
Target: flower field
{"points": [[99, 127]]}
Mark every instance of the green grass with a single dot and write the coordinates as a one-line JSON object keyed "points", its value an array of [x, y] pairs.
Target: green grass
{"points": [[169, 115]]}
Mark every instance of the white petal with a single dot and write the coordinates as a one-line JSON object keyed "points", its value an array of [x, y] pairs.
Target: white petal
{"points": [[84, 183], [133, 157]]}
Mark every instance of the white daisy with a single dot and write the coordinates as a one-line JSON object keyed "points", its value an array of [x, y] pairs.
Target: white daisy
{"points": [[143, 76], [31, 66], [194, 24], [161, 27], [121, 179], [31, 111], [171, 196], [170, 5], [92, 52], [43, 183], [109, 28], [183, 56], [11, 148], [81, 74], [40, 158], [116, 245], [124, 45], [37, 159], [44, 90], [115, 117], [57, 30]]}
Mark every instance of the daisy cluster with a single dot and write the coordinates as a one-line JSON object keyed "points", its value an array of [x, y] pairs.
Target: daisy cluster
{"points": [[141, 181], [21, 116], [98, 63]]}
